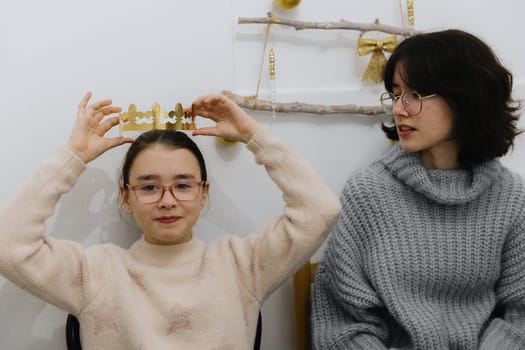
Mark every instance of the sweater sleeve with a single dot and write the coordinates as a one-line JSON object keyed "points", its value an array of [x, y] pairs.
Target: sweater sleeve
{"points": [[51, 269], [347, 312], [266, 259], [507, 332]]}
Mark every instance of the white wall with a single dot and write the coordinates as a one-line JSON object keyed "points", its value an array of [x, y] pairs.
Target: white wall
{"points": [[52, 51]]}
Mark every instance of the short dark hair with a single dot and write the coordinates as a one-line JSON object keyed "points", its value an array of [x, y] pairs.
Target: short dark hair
{"points": [[171, 138], [465, 71]]}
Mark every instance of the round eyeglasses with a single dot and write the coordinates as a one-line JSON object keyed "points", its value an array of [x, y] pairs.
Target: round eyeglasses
{"points": [[181, 190], [411, 100]]}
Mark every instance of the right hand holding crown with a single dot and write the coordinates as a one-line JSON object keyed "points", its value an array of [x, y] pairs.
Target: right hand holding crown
{"points": [[87, 139]]}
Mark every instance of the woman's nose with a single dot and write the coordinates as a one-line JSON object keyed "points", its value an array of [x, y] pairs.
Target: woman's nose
{"points": [[398, 108], [167, 198]]}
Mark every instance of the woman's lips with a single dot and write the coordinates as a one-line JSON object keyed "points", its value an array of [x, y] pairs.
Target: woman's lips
{"points": [[167, 219], [404, 130]]}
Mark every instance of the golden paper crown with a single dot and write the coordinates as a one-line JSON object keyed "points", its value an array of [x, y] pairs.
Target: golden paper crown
{"points": [[157, 119]]}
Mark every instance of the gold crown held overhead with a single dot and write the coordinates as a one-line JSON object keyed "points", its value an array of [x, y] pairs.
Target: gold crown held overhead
{"points": [[156, 119]]}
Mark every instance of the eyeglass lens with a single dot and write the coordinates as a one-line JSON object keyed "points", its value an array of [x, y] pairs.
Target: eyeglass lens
{"points": [[411, 101]]}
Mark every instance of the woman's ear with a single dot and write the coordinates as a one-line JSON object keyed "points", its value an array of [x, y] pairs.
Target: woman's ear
{"points": [[205, 192], [124, 197]]}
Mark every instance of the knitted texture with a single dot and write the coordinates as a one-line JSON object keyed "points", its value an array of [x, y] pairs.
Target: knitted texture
{"points": [[194, 295], [424, 259]]}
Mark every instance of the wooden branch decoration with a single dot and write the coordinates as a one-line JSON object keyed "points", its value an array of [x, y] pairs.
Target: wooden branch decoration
{"points": [[251, 102], [342, 24]]}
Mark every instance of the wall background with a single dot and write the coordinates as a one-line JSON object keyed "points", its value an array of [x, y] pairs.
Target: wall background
{"points": [[166, 51]]}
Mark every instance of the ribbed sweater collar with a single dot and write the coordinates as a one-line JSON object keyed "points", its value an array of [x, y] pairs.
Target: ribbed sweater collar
{"points": [[453, 186], [168, 255]]}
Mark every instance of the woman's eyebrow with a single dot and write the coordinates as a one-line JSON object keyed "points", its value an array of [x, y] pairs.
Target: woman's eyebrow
{"points": [[148, 177], [183, 176]]}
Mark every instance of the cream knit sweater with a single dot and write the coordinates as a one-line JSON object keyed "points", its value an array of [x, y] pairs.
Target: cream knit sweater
{"points": [[194, 295]]}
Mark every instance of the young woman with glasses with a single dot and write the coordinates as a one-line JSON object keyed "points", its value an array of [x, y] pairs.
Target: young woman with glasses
{"points": [[429, 249], [169, 290]]}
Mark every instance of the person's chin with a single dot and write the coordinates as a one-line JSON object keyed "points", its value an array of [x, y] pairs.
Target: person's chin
{"points": [[177, 239], [409, 147], [168, 238]]}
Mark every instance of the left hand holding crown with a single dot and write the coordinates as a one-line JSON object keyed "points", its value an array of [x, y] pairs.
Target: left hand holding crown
{"points": [[233, 124]]}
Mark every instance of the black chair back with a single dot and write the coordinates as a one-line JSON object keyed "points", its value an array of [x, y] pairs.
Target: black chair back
{"points": [[73, 333]]}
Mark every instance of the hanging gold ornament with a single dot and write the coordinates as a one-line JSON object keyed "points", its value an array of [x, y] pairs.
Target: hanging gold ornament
{"points": [[271, 60], [374, 70], [288, 4], [410, 10]]}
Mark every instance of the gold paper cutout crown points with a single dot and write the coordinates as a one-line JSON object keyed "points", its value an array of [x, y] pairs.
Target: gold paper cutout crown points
{"points": [[157, 119]]}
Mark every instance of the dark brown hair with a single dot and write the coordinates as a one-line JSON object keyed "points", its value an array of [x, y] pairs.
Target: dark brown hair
{"points": [[465, 71], [175, 139]]}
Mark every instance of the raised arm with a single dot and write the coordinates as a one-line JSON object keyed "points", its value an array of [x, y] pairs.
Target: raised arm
{"points": [[266, 259], [54, 270]]}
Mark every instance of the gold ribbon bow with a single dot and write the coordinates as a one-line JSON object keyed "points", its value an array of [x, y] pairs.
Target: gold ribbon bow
{"points": [[377, 62]]}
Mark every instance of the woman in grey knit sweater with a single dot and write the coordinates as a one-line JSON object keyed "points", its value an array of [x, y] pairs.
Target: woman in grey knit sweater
{"points": [[429, 250]]}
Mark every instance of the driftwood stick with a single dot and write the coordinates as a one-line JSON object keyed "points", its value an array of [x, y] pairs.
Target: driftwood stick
{"points": [[250, 102], [342, 24]]}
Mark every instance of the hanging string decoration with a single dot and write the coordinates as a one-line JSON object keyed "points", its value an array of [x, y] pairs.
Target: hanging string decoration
{"points": [[365, 46]]}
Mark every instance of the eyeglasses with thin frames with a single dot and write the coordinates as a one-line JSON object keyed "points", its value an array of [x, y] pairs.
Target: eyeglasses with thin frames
{"points": [[411, 101], [181, 190]]}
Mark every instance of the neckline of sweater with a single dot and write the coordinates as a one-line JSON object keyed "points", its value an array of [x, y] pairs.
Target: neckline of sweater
{"points": [[451, 186], [168, 255]]}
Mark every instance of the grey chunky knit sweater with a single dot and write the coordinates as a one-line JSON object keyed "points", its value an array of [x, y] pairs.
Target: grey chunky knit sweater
{"points": [[424, 259]]}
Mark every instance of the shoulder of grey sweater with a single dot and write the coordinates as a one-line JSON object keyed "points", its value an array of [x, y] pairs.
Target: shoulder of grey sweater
{"points": [[510, 177], [363, 192], [511, 185], [508, 193], [370, 181]]}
